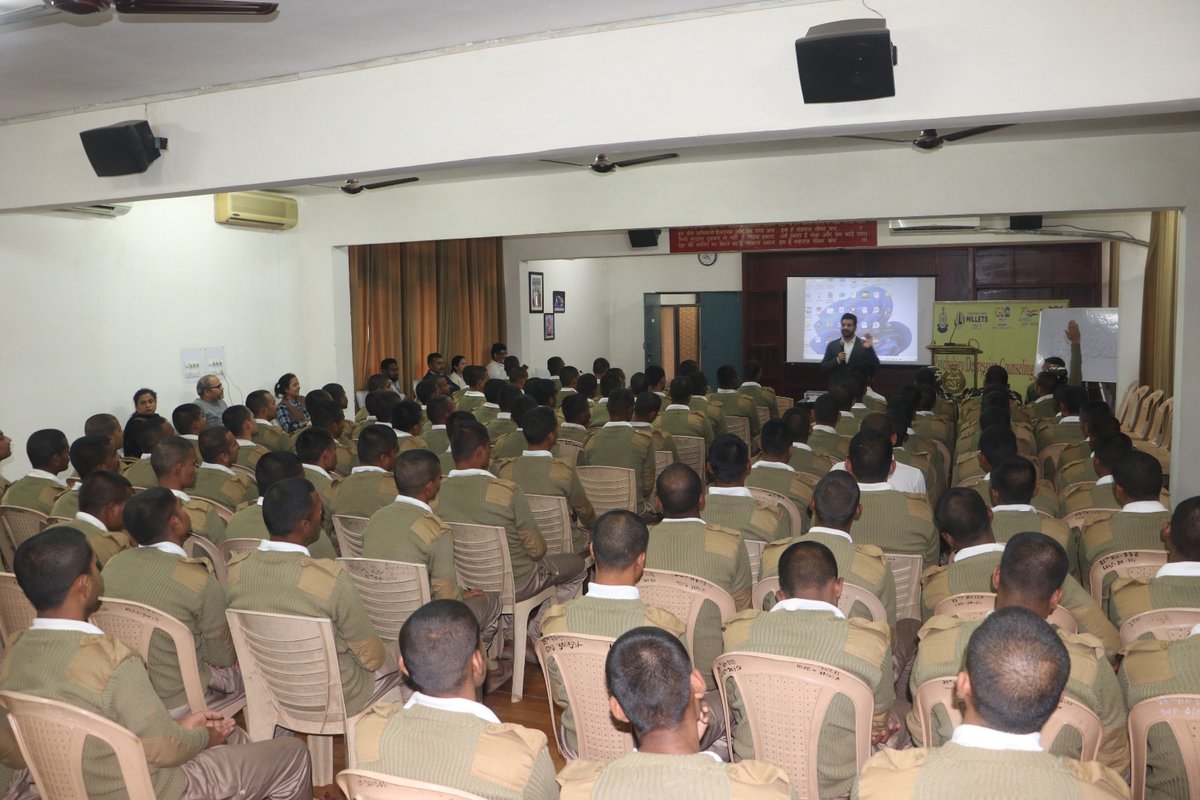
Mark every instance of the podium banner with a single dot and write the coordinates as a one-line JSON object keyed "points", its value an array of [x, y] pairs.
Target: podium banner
{"points": [[1005, 331]]}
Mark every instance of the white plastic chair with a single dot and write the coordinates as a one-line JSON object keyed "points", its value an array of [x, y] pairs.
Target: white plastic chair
{"points": [[906, 570], [482, 561], [16, 525], [568, 450], [795, 517], [16, 612], [349, 530], [52, 735], [199, 547], [1167, 624], [977, 605], [1177, 711], [361, 784], [754, 549], [683, 595], [135, 623], [391, 592], [579, 661], [553, 518], [691, 452], [609, 487]]}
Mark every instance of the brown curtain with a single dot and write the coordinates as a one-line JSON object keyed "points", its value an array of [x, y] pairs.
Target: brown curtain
{"points": [[412, 298], [1157, 365]]}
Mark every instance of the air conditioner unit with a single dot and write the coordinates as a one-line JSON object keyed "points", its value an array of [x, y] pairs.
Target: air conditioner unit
{"points": [[97, 210], [934, 224], [257, 210]]}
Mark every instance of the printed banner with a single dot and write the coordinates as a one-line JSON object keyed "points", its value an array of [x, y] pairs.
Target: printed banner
{"points": [[774, 236], [1005, 331]]}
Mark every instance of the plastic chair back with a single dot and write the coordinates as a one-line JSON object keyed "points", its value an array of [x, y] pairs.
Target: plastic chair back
{"points": [[16, 525], [1154, 432], [853, 594], [568, 450], [763, 588], [795, 517], [1069, 714], [1129, 418], [784, 403], [691, 452], [244, 471], [683, 595], [361, 784], [52, 736], [391, 592], [223, 511], [906, 570], [16, 612], [1126, 399], [764, 414], [1124, 564], [609, 487], [579, 660], [553, 518], [785, 701], [1141, 423], [977, 605], [1167, 624], [349, 530], [135, 623], [754, 549], [1178, 712], [199, 547], [662, 460], [1080, 519], [739, 427], [231, 547]]}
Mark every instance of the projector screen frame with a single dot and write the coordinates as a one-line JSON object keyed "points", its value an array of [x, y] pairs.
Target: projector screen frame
{"points": [[918, 323]]}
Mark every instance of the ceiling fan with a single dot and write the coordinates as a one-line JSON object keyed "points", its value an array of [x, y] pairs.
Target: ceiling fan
{"points": [[352, 185], [602, 165], [164, 7], [930, 139]]}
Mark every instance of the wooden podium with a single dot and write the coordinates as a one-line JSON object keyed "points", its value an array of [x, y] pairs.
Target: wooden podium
{"points": [[958, 364]]}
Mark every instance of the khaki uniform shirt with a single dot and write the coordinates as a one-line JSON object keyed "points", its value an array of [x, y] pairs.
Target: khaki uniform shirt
{"points": [[621, 445], [672, 777]]}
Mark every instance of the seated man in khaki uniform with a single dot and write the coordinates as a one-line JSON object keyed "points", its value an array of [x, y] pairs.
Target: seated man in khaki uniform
{"points": [[565, 384], [1013, 677], [1177, 583], [806, 623], [1031, 574], [803, 458], [370, 486], [406, 423], [612, 604], [512, 444], [263, 406], [215, 479], [824, 437], [763, 396], [102, 500], [999, 443], [442, 735], [700, 402], [892, 520], [409, 531], [773, 472], [281, 577], [1152, 668], [439, 409], [653, 688], [732, 402], [49, 453], [1110, 451], [619, 444], [240, 422], [1012, 485], [683, 542], [576, 415], [88, 454], [611, 381], [730, 504], [679, 419], [160, 574], [645, 412], [503, 423], [174, 464], [147, 432], [537, 471], [472, 397], [1138, 525], [63, 657], [473, 495]]}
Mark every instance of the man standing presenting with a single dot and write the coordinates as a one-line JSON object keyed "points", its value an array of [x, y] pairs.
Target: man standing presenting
{"points": [[210, 396], [849, 351]]}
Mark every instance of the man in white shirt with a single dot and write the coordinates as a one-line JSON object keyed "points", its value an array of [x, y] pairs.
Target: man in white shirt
{"points": [[495, 367], [38, 490], [1013, 677], [903, 477]]}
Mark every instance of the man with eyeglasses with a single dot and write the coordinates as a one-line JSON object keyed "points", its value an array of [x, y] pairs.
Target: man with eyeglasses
{"points": [[210, 396]]}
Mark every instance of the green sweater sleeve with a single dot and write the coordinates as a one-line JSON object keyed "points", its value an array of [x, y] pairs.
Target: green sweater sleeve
{"points": [[1075, 367], [216, 645], [132, 702], [352, 623]]}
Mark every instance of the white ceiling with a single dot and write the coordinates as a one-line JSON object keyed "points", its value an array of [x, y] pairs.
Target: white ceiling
{"points": [[61, 63]]}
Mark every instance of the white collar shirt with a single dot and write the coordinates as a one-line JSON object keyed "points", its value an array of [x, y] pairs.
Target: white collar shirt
{"points": [[773, 465], [49, 476], [79, 626], [978, 550], [95, 522], [1179, 569], [830, 532], [603, 591], [989, 739], [412, 501], [730, 491], [466, 473], [169, 547], [459, 705], [1143, 507], [800, 604], [268, 546]]}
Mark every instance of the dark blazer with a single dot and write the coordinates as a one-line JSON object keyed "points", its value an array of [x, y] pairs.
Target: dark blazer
{"points": [[860, 356]]}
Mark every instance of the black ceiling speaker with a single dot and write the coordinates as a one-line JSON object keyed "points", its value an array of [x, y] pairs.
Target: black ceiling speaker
{"points": [[125, 148], [848, 60], [644, 237]]}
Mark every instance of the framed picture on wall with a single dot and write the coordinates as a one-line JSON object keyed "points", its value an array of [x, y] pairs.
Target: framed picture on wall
{"points": [[547, 327], [537, 294], [560, 302]]}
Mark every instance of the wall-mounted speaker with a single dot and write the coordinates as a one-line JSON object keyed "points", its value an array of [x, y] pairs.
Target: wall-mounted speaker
{"points": [[849, 60], [644, 237], [1025, 222], [125, 148]]}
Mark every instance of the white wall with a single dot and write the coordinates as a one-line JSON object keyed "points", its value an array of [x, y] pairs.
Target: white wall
{"points": [[582, 332], [93, 309]]}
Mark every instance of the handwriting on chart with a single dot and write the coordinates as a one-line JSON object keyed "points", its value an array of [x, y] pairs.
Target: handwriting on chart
{"points": [[775, 236]]}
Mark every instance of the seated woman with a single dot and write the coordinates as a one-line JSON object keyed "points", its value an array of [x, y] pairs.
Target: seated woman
{"points": [[457, 365], [145, 404], [291, 413]]}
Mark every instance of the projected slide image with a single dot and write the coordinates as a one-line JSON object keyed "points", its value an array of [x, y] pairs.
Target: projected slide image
{"points": [[886, 309]]}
